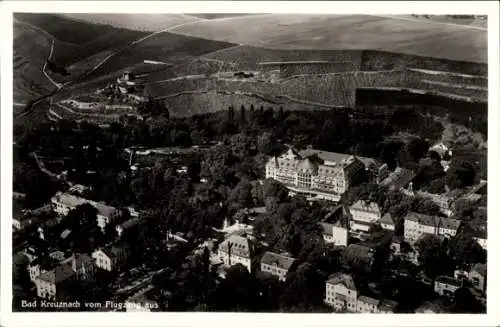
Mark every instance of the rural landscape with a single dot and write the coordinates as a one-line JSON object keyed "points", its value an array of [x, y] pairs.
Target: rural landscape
{"points": [[250, 163]]}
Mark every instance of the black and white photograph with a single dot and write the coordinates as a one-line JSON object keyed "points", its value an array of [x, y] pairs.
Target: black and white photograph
{"points": [[260, 162]]}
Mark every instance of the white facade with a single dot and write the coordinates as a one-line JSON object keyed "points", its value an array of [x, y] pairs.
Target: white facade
{"points": [[341, 293], [417, 225], [300, 172], [363, 215], [111, 261], [367, 305]]}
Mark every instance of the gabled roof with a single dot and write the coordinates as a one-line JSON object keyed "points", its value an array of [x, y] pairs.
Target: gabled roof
{"points": [[307, 164], [238, 245], [448, 280], [480, 268], [58, 274], [366, 206], [344, 279], [282, 261], [73, 201], [387, 219], [334, 156], [369, 300], [113, 250]]}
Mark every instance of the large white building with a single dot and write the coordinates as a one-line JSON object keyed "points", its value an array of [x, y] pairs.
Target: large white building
{"points": [[318, 173], [341, 292], [64, 202], [417, 225], [336, 227], [236, 249], [364, 214]]}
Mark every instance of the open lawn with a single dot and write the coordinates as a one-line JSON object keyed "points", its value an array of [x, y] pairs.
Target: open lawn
{"points": [[298, 32]]}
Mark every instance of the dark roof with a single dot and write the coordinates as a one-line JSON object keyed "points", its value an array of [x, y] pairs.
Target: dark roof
{"points": [[58, 274], [359, 250], [368, 300], [341, 278], [480, 268], [398, 179], [283, 262], [388, 305], [448, 280], [387, 219]]}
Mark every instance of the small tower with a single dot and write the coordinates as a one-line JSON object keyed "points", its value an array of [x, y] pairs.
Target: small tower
{"points": [[40, 233]]}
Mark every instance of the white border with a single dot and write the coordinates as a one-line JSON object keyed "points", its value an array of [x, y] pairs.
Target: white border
{"points": [[220, 319]]}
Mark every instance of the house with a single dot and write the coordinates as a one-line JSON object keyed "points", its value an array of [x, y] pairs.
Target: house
{"points": [[276, 264], [83, 266], [387, 222], [396, 245], [122, 227], [443, 201], [64, 202], [364, 214], [40, 266], [446, 286], [399, 179], [477, 277], [480, 236], [417, 225], [236, 249], [441, 149], [143, 301], [111, 258], [336, 227], [55, 283], [367, 304], [341, 292], [387, 306], [22, 221]]}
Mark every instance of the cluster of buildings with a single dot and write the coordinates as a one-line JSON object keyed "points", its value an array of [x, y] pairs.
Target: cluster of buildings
{"points": [[324, 175]]}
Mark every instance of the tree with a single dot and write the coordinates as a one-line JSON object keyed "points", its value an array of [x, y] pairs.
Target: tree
{"points": [[266, 143], [460, 174], [466, 250], [82, 221], [433, 256]]}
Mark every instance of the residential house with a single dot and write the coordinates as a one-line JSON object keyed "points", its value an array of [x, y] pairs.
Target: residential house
{"points": [[276, 264], [111, 258], [399, 179], [417, 225], [477, 277], [341, 292], [387, 222], [83, 266], [22, 221], [446, 286], [40, 266], [387, 306], [56, 283], [64, 202], [364, 214], [367, 304], [143, 301], [443, 201], [336, 227], [236, 249]]}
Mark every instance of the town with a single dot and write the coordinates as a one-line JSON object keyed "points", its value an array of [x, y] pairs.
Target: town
{"points": [[362, 234]]}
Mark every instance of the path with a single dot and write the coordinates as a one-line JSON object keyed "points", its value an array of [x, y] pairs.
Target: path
{"points": [[58, 85]]}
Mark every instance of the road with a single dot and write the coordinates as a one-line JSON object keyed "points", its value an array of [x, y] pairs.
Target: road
{"points": [[58, 85]]}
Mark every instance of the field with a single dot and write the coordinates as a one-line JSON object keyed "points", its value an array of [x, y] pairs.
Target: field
{"points": [[326, 32], [139, 22]]}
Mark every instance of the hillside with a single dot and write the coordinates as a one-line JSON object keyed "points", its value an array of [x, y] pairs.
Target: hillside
{"points": [[326, 32], [139, 22]]}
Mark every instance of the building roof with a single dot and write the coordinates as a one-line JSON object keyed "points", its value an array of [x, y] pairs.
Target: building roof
{"points": [[81, 260], [398, 179], [65, 233], [73, 201], [238, 245], [387, 219], [334, 157], [435, 221], [366, 206], [307, 165], [480, 268], [113, 250], [58, 274], [448, 280], [388, 305], [130, 223], [449, 223], [282, 261], [344, 279], [369, 300]]}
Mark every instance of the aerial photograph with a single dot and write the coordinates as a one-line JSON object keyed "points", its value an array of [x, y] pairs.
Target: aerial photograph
{"points": [[258, 163]]}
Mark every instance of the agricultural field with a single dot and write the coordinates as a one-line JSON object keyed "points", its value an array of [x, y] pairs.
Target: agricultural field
{"points": [[138, 22], [326, 32]]}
